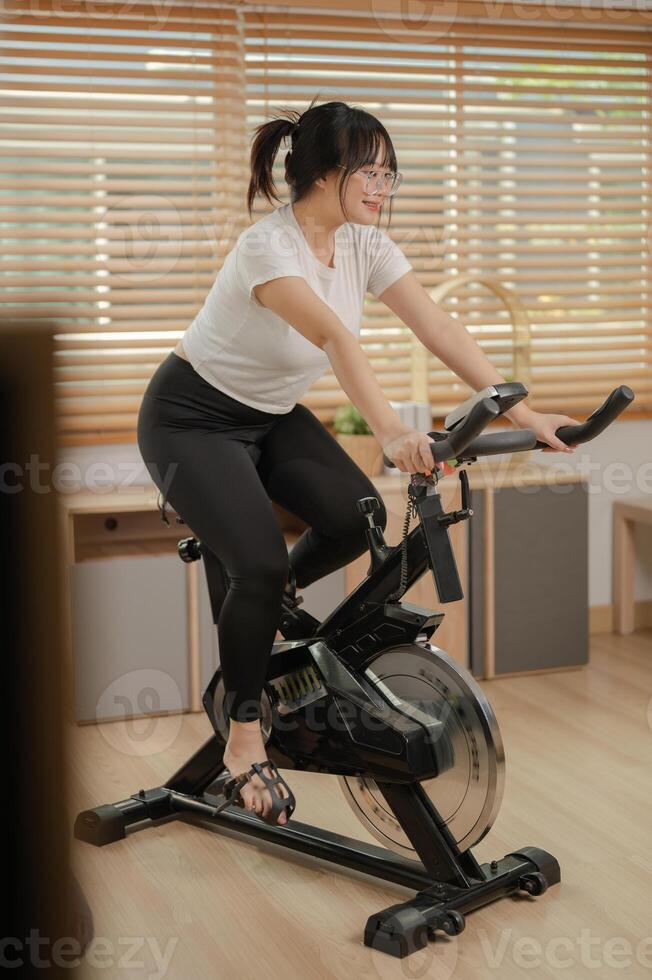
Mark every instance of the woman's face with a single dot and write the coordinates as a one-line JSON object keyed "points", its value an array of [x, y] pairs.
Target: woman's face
{"points": [[362, 206]]}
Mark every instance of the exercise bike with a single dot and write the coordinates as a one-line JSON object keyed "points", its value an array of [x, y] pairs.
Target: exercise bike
{"points": [[365, 695]]}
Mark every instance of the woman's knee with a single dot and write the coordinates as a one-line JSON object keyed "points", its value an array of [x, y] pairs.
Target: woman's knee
{"points": [[265, 574]]}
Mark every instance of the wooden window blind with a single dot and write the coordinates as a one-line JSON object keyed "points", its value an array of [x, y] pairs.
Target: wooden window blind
{"points": [[125, 166], [121, 185], [525, 160]]}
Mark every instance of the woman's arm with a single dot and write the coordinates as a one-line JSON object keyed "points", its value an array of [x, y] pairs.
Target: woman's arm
{"points": [[452, 343], [291, 298]]}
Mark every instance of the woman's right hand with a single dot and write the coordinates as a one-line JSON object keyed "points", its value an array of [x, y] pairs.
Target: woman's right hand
{"points": [[410, 451]]}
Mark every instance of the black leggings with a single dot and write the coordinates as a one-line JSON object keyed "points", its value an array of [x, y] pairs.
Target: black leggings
{"points": [[220, 463]]}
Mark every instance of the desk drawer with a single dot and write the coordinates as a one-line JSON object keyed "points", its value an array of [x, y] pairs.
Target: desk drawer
{"points": [[142, 532], [104, 535]]}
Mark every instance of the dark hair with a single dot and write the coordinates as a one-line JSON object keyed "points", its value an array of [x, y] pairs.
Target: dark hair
{"points": [[321, 138]]}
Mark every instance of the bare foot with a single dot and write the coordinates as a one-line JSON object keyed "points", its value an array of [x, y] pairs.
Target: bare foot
{"points": [[244, 747]]}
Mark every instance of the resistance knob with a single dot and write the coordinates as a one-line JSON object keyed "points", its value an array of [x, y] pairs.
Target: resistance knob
{"points": [[189, 549]]}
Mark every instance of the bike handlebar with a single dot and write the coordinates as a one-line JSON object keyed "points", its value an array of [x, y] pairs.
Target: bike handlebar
{"points": [[478, 418], [596, 423], [517, 441], [454, 442], [465, 442]]}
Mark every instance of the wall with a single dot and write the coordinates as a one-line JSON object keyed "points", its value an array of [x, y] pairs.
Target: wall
{"points": [[620, 466]]}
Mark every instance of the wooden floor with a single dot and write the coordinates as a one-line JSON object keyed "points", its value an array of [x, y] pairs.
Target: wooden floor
{"points": [[579, 784]]}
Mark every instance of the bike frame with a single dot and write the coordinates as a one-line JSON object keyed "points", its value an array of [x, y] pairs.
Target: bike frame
{"points": [[427, 546]]}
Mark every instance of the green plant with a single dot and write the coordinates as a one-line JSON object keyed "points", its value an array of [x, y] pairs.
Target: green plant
{"points": [[348, 421]]}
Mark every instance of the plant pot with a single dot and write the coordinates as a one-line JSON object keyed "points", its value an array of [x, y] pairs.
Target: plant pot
{"points": [[365, 451]]}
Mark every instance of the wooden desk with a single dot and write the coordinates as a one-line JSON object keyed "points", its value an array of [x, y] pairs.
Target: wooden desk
{"points": [[626, 514]]}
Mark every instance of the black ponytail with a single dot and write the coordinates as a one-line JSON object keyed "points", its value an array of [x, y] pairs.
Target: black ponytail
{"points": [[265, 146], [322, 138]]}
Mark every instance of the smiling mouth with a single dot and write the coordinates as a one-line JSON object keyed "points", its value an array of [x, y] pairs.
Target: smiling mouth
{"points": [[374, 205]]}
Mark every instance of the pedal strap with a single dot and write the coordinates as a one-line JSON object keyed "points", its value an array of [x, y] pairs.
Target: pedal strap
{"points": [[232, 787]]}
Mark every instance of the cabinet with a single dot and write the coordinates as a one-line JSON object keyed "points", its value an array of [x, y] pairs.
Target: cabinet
{"points": [[528, 578]]}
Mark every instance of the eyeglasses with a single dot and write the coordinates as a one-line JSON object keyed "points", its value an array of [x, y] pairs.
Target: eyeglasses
{"points": [[387, 181]]}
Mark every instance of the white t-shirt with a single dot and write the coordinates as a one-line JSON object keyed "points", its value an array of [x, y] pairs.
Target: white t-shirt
{"points": [[249, 352]]}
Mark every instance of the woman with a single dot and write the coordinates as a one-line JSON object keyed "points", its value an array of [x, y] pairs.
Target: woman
{"points": [[220, 423]]}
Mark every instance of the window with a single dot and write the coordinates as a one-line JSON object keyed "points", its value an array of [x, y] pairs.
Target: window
{"points": [[121, 189], [525, 162], [125, 144]]}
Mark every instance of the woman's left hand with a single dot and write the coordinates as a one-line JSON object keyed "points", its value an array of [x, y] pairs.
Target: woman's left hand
{"points": [[545, 426]]}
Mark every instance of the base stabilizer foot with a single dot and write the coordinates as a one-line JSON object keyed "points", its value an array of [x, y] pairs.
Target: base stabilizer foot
{"points": [[103, 825], [406, 927]]}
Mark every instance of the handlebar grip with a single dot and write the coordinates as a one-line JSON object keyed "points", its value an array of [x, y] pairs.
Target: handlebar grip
{"points": [[512, 441], [478, 418], [596, 423], [450, 447]]}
